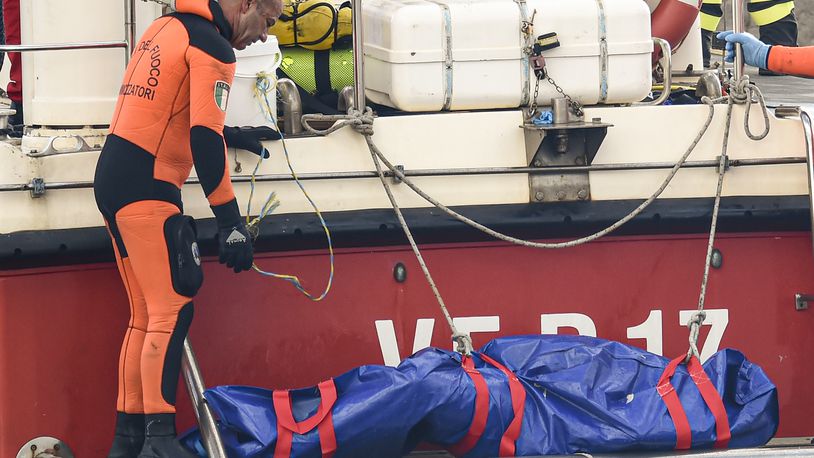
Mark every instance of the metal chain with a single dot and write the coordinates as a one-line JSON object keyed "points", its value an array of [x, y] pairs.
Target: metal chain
{"points": [[527, 29], [576, 107], [533, 107]]}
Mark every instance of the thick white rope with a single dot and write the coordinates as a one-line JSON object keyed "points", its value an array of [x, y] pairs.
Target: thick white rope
{"points": [[363, 123], [742, 93], [498, 235]]}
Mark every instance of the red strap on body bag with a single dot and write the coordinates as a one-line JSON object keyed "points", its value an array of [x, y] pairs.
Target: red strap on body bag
{"points": [[711, 398], [322, 419], [478, 425]]}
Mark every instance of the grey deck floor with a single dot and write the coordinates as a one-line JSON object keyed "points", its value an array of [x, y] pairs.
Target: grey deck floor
{"points": [[787, 90]]}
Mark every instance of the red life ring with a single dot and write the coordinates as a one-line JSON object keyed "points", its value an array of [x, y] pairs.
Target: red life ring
{"points": [[672, 20]]}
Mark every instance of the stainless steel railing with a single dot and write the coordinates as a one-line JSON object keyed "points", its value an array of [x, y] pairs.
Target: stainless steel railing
{"points": [[808, 131], [452, 172], [667, 55], [358, 57], [203, 413], [738, 25], [64, 46], [127, 44]]}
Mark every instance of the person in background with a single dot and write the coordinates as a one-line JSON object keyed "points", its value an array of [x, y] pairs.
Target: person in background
{"points": [[11, 27], [777, 59], [170, 116], [2, 37], [775, 19]]}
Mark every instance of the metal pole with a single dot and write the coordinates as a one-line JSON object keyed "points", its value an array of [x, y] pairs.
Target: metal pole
{"points": [[667, 55], [292, 106], [285, 177], [130, 27], [808, 130], [64, 46], [206, 421], [358, 57], [738, 25]]}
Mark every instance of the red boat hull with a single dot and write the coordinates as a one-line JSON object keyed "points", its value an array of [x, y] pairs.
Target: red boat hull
{"points": [[60, 328]]}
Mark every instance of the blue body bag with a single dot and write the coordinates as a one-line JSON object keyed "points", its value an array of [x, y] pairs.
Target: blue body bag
{"points": [[524, 395]]}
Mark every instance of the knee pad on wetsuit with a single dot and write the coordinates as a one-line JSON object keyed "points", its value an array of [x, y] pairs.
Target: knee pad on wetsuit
{"points": [[184, 256]]}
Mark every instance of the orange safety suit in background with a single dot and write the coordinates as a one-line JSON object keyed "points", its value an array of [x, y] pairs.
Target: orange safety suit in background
{"points": [[169, 117], [792, 61]]}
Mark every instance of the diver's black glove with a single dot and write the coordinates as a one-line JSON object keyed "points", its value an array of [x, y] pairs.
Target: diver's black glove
{"points": [[234, 242], [248, 138]]}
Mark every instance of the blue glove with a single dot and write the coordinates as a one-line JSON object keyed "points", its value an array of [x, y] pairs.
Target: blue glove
{"points": [[755, 52]]}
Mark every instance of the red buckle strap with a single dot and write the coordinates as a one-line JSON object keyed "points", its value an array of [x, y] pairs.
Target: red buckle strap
{"points": [[478, 425], [670, 397], [711, 397], [512, 433], [713, 400], [322, 420]]}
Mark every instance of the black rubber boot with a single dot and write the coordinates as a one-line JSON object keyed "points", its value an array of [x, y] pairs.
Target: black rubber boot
{"points": [[160, 440], [15, 121], [129, 436]]}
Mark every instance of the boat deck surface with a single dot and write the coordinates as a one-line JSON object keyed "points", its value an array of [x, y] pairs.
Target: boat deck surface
{"points": [[784, 90]]}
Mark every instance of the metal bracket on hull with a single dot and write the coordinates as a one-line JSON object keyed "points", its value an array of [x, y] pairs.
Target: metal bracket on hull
{"points": [[79, 146], [37, 187], [568, 144], [45, 447], [788, 111], [801, 301]]}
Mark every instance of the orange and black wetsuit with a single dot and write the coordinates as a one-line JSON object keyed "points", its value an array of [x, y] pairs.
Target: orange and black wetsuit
{"points": [[169, 117], [792, 61]]}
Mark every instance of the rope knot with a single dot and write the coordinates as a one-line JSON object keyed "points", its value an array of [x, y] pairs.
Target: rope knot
{"points": [[741, 91], [361, 121], [464, 343], [695, 322], [697, 319]]}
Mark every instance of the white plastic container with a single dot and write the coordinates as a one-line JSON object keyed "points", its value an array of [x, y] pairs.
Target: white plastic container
{"points": [[431, 55], [244, 109], [77, 87]]}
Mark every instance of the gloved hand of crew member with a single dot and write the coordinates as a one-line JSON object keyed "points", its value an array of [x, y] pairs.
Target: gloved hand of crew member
{"points": [[755, 52], [248, 138], [235, 246]]}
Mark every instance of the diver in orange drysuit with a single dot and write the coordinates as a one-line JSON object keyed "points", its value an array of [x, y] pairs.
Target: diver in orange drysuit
{"points": [[779, 59], [169, 117]]}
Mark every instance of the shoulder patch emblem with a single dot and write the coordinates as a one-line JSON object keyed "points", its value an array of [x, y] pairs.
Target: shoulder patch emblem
{"points": [[222, 94]]}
